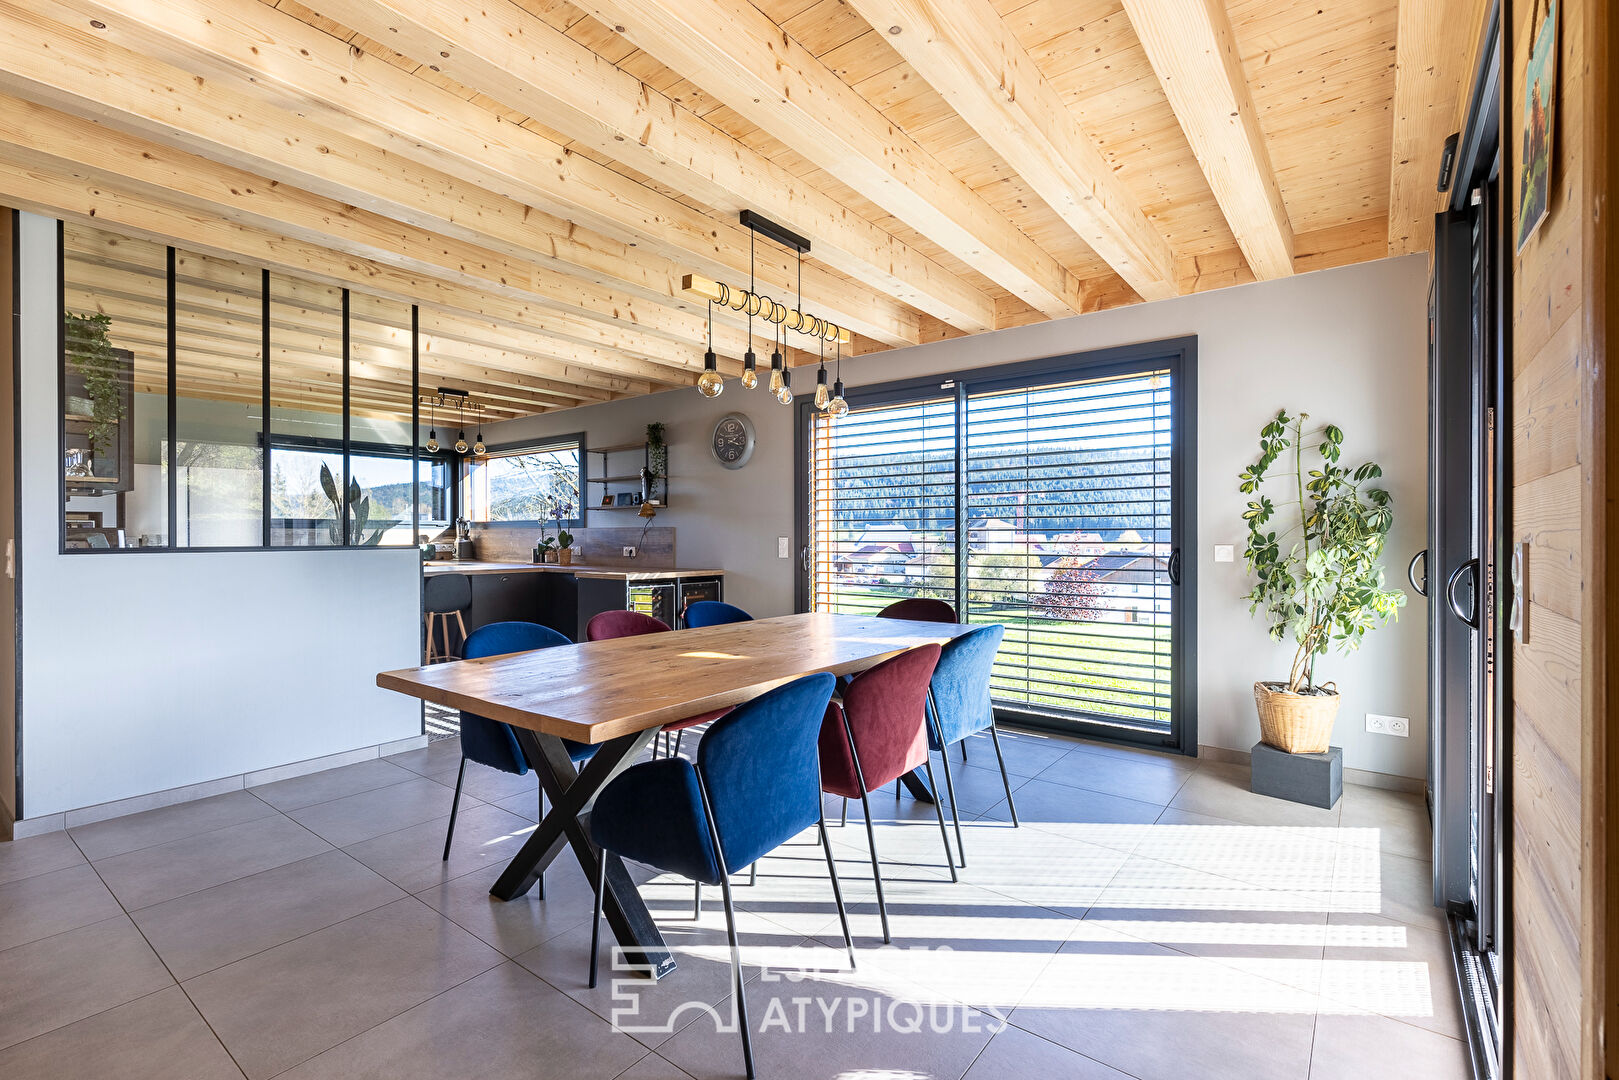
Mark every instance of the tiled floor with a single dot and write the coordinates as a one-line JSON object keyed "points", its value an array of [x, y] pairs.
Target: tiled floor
{"points": [[1150, 918]]}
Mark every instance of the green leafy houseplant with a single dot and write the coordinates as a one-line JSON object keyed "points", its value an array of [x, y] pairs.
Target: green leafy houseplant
{"points": [[358, 502], [92, 355], [1318, 579]]}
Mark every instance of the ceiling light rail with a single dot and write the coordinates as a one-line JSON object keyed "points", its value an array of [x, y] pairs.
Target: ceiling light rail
{"points": [[764, 307]]}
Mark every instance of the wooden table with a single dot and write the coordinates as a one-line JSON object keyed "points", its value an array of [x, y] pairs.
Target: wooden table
{"points": [[617, 694]]}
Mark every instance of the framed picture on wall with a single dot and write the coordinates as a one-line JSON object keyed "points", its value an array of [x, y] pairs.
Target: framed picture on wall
{"points": [[1539, 126]]}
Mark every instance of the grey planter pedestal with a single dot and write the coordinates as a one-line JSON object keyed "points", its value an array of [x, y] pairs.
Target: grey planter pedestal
{"points": [[1312, 779]]}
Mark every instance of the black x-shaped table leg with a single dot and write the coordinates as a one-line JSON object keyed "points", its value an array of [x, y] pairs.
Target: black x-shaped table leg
{"points": [[917, 785], [571, 793]]}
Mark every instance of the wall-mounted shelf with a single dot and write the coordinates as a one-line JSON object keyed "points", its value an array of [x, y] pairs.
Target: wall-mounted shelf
{"points": [[660, 481]]}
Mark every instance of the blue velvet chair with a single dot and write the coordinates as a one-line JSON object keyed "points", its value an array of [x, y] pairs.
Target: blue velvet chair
{"points": [[755, 785], [490, 742], [959, 706], [713, 613]]}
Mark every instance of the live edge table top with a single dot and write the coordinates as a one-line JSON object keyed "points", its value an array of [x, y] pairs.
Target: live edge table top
{"points": [[599, 690]]}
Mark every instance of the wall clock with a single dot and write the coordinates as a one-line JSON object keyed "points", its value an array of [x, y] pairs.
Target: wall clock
{"points": [[732, 442]]}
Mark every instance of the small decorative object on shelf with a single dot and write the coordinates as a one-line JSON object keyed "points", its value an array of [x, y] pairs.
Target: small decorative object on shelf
{"points": [[1319, 579], [565, 547]]}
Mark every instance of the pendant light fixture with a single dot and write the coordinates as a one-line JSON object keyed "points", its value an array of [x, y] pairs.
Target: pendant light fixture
{"points": [[710, 383], [823, 393], [838, 407], [785, 394], [478, 447], [750, 362], [461, 445], [432, 434]]}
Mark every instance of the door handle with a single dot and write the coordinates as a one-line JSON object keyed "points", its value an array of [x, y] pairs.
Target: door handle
{"points": [[1411, 572], [1175, 567], [1468, 617]]}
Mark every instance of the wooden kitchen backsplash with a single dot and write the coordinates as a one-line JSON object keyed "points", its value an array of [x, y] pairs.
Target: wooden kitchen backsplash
{"points": [[593, 547]]}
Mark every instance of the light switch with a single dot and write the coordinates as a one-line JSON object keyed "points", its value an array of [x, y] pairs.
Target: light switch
{"points": [[781, 548], [1225, 553]]}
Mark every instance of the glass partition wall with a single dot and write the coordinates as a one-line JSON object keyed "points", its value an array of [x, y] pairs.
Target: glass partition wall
{"points": [[209, 404]]}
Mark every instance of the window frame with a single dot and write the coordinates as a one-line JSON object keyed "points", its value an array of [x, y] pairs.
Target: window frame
{"points": [[266, 441], [516, 449], [1179, 356]]}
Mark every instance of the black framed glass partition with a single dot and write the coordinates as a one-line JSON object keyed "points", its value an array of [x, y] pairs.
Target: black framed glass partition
{"points": [[211, 405], [1053, 497]]}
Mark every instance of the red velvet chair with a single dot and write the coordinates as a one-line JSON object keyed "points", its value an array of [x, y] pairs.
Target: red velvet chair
{"points": [[617, 624], [919, 609], [877, 735]]}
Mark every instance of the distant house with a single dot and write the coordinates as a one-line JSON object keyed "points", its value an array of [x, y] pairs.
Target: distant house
{"points": [[882, 550], [1134, 587]]}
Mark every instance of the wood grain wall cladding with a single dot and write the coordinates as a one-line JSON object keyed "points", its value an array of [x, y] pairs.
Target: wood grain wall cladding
{"points": [[1559, 766], [597, 546]]}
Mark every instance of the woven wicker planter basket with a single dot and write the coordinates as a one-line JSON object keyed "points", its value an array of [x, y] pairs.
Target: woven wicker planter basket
{"points": [[1297, 723]]}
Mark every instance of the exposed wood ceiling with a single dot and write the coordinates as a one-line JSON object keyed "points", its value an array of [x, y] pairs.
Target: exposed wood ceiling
{"points": [[539, 174]]}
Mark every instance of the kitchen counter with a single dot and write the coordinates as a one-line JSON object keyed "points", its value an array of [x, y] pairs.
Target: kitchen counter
{"points": [[584, 570]]}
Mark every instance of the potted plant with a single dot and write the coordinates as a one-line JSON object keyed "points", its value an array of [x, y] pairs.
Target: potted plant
{"points": [[565, 547], [1318, 579], [90, 351]]}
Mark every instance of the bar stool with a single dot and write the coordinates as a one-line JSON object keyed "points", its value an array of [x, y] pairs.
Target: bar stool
{"points": [[444, 595]]}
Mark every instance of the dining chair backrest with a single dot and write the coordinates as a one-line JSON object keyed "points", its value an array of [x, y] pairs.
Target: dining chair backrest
{"points": [[919, 609], [760, 770], [626, 623], [961, 698], [714, 613], [490, 742], [886, 709], [443, 593]]}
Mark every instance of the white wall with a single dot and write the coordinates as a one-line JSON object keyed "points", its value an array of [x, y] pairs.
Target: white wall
{"points": [[148, 671], [1348, 346]]}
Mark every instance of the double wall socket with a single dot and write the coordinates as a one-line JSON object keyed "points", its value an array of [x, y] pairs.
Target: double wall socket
{"points": [[1388, 725], [629, 551]]}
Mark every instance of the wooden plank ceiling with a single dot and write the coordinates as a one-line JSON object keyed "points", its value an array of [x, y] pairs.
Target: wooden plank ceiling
{"points": [[539, 174]]}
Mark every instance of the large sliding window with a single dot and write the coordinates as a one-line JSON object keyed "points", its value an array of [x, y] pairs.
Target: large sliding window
{"points": [[208, 404], [1050, 497]]}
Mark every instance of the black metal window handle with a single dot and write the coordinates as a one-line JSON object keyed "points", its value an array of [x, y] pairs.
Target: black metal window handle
{"points": [[1411, 572], [1470, 617], [1175, 567]]}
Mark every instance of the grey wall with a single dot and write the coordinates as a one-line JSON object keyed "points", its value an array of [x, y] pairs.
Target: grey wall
{"points": [[1347, 346], [148, 671]]}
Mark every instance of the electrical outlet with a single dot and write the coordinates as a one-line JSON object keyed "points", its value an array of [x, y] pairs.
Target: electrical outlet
{"points": [[629, 551], [1378, 724], [1225, 553], [781, 548]]}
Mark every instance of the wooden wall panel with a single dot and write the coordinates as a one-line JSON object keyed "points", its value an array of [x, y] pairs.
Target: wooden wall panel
{"points": [[1558, 687]]}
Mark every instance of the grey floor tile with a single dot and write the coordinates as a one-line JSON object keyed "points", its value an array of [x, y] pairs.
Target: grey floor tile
{"points": [[329, 784], [1157, 1014], [152, 827], [514, 926], [413, 858], [435, 759], [156, 1037], [1378, 883], [151, 875], [359, 817], [57, 980], [37, 855], [1354, 1047], [46, 904], [1139, 777], [213, 927], [1398, 971], [1014, 1052], [1041, 804], [505, 1024], [653, 1067], [492, 785], [524, 806], [1393, 821], [977, 788], [283, 1006], [1026, 753], [1221, 791]]}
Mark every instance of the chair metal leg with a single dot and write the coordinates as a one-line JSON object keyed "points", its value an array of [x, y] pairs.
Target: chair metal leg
{"points": [[596, 919], [944, 834], [876, 869], [844, 820], [949, 781], [455, 804], [696, 901], [679, 735], [963, 749], [736, 976], [837, 891], [753, 875], [995, 737]]}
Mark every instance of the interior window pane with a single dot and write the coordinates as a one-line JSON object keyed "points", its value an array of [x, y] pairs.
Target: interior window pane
{"points": [[115, 390], [379, 422], [540, 484], [219, 404], [306, 414]]}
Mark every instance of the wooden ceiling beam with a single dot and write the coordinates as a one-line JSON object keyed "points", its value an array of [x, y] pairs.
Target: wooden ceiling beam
{"points": [[970, 56], [738, 54], [367, 98], [1433, 50], [1194, 54]]}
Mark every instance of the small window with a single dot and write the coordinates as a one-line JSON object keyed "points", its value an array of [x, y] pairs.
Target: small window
{"points": [[533, 482]]}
